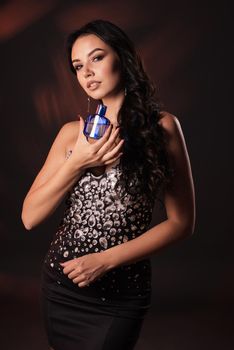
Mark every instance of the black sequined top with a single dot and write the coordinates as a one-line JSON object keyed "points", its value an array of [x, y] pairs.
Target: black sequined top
{"points": [[98, 216]]}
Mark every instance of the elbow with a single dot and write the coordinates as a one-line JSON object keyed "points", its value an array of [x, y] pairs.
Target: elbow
{"points": [[188, 224], [192, 224], [192, 229], [26, 224], [28, 228], [189, 231], [25, 221], [189, 228], [185, 228]]}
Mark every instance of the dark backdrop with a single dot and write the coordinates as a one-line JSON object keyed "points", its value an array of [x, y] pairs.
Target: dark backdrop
{"points": [[186, 49]]}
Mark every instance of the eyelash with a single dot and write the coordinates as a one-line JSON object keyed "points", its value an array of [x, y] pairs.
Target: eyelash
{"points": [[76, 67]]}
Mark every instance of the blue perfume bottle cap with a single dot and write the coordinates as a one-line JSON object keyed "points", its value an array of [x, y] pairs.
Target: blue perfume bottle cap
{"points": [[101, 110]]}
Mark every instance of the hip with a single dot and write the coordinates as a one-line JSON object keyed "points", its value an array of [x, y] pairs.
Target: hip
{"points": [[56, 287], [57, 291]]}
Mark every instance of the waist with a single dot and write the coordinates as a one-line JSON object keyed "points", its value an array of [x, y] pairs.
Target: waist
{"points": [[125, 282], [123, 306]]}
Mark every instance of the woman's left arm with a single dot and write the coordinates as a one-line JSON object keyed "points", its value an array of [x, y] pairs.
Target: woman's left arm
{"points": [[179, 202], [180, 207]]}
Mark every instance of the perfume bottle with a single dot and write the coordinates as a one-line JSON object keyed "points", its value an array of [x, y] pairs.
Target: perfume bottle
{"points": [[96, 124]]}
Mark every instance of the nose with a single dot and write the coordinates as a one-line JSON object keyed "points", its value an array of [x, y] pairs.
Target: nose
{"points": [[87, 71]]}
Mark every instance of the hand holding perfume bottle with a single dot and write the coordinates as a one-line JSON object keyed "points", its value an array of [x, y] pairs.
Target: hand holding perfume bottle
{"points": [[95, 127], [96, 124]]}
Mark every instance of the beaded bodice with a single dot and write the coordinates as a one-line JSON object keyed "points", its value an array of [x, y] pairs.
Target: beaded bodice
{"points": [[100, 214]]}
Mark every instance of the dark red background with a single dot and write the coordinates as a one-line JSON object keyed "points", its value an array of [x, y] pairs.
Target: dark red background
{"points": [[186, 49]]}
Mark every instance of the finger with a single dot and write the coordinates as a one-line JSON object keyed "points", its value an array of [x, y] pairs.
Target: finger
{"points": [[114, 151], [74, 273], [83, 284], [82, 124], [114, 144], [69, 268], [107, 133], [106, 147], [80, 118], [112, 160], [66, 263], [114, 136], [103, 139], [80, 279]]}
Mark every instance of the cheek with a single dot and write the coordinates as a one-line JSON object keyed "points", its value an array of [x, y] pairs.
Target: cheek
{"points": [[81, 82], [112, 71]]}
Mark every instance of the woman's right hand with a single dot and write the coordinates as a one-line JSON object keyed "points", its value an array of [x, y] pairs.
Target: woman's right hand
{"points": [[99, 153]]}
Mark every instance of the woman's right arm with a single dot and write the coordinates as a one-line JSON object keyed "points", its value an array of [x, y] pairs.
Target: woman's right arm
{"points": [[52, 183], [58, 174]]}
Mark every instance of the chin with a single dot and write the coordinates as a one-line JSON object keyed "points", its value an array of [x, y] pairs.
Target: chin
{"points": [[97, 96], [100, 95]]}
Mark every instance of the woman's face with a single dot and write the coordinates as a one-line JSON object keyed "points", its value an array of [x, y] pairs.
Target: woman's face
{"points": [[94, 60]]}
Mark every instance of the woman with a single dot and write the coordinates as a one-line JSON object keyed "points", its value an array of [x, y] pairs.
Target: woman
{"points": [[96, 278]]}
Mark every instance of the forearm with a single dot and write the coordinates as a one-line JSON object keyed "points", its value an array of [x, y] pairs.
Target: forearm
{"points": [[42, 202], [150, 242]]}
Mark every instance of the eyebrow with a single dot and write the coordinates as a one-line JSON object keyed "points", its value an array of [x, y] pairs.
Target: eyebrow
{"points": [[89, 54]]}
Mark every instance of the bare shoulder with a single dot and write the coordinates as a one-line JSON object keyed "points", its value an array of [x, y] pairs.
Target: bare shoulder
{"points": [[168, 121], [171, 127], [71, 128], [173, 133]]}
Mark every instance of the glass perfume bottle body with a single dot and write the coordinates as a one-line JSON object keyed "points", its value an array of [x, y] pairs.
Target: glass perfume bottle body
{"points": [[95, 127], [96, 124]]}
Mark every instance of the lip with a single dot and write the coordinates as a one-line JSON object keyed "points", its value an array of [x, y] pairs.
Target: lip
{"points": [[91, 82]]}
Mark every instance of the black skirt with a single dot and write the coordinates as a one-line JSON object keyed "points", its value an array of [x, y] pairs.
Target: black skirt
{"points": [[74, 321]]}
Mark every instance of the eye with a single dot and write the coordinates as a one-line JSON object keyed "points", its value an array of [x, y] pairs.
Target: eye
{"points": [[100, 56], [77, 67]]}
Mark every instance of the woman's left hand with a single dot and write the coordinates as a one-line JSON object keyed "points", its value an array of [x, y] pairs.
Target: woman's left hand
{"points": [[86, 268]]}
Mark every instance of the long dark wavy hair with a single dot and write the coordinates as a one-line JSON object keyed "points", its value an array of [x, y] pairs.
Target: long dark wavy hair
{"points": [[144, 152]]}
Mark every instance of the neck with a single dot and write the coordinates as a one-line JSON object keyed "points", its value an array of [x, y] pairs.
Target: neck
{"points": [[113, 106]]}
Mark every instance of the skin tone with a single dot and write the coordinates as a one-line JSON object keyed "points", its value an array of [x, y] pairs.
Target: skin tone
{"points": [[179, 197], [58, 173], [93, 59]]}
